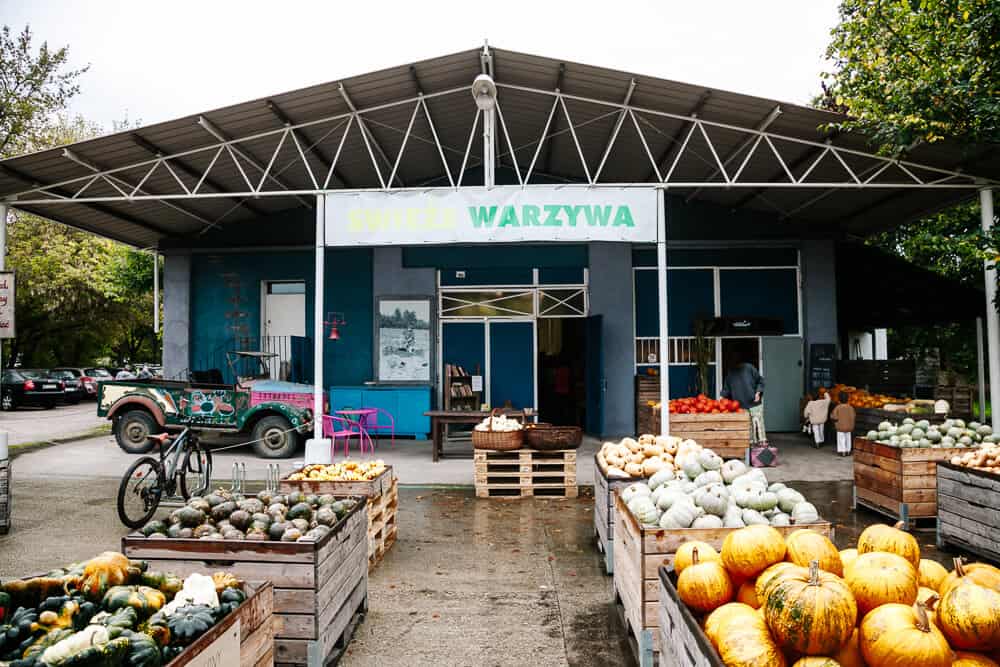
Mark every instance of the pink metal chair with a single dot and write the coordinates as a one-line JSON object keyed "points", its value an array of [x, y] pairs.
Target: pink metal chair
{"points": [[338, 427], [381, 421]]}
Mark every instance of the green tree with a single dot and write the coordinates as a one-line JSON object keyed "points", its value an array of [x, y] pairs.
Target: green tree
{"points": [[911, 71]]}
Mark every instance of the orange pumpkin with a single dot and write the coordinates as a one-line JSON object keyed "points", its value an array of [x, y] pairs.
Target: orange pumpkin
{"points": [[747, 593], [718, 620], [880, 577], [931, 574], [816, 661], [968, 613], [981, 573], [704, 586], [805, 546], [745, 640], [747, 552], [682, 559], [880, 537], [848, 556], [929, 599], [769, 575], [968, 659], [810, 612], [849, 654], [898, 634]]}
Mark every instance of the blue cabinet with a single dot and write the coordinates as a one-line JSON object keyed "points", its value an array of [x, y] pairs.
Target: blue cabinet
{"points": [[407, 405]]}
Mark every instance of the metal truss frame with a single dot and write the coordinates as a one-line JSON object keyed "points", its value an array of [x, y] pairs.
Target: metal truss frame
{"points": [[724, 169]]}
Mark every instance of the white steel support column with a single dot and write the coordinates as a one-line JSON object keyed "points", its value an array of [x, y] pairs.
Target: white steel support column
{"points": [[661, 286], [318, 317], [981, 370], [156, 292], [992, 316], [3, 236], [489, 147]]}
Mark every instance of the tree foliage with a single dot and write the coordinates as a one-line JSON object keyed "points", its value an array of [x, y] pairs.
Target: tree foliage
{"points": [[911, 71], [79, 297]]}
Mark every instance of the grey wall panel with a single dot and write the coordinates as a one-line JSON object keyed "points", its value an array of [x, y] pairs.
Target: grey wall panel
{"points": [[176, 314], [611, 297], [819, 294], [389, 278]]}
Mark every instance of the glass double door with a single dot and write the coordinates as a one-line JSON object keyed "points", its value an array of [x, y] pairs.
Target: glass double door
{"points": [[503, 351]]}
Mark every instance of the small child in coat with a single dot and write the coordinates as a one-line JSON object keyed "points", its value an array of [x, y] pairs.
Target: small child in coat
{"points": [[816, 413], [844, 416]]}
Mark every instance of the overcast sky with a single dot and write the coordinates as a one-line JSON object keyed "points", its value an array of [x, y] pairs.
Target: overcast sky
{"points": [[153, 61]]}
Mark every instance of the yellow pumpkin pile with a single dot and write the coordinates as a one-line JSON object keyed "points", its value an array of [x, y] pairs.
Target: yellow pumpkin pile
{"points": [[642, 457], [345, 471], [796, 600], [986, 458]]}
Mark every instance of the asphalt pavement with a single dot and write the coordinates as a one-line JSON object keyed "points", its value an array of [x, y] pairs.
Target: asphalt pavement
{"points": [[25, 425]]}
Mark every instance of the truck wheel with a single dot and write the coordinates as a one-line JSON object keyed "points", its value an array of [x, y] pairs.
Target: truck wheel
{"points": [[7, 402], [132, 431], [275, 438]]}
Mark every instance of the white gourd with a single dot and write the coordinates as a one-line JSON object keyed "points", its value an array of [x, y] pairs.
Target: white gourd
{"points": [[707, 521], [776, 486], [804, 513], [732, 469], [733, 518], [709, 460], [754, 518], [661, 478], [692, 468], [780, 519], [788, 498], [633, 490], [680, 515], [640, 504], [708, 477], [669, 497], [713, 500], [650, 516]]}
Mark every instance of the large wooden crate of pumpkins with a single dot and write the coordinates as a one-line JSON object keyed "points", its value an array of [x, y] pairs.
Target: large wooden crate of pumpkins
{"points": [[728, 435], [604, 511], [320, 588], [968, 510], [682, 642], [639, 553]]}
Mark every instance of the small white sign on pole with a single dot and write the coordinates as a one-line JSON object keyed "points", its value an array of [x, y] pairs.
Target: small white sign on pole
{"points": [[7, 304]]}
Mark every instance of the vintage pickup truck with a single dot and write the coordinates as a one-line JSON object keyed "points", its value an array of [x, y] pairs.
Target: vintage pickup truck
{"points": [[272, 413]]}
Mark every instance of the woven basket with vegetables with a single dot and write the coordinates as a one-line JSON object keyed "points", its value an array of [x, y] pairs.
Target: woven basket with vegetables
{"points": [[499, 433]]}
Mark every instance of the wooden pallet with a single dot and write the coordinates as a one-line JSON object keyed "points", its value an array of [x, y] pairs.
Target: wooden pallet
{"points": [[899, 482], [967, 510], [525, 473], [604, 512], [640, 551], [382, 526], [6, 496], [318, 586], [383, 502], [245, 636]]}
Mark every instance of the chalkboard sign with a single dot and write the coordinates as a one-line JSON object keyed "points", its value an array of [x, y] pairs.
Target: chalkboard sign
{"points": [[822, 358]]}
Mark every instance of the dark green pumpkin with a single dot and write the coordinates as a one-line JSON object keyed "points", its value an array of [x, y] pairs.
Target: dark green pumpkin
{"points": [[143, 599], [188, 623], [300, 511], [222, 511], [124, 619], [190, 517], [108, 655], [200, 504], [165, 582], [296, 497], [143, 651], [36, 648], [155, 526]]}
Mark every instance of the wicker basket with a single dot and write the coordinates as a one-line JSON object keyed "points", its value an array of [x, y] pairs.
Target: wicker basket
{"points": [[551, 438], [500, 441]]}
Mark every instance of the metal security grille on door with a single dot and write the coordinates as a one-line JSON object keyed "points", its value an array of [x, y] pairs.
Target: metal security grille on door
{"points": [[530, 302]]}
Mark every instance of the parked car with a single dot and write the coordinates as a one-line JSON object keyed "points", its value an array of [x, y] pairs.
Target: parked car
{"points": [[88, 377], [29, 387], [75, 391]]}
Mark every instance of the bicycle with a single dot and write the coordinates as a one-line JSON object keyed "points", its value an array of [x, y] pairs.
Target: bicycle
{"points": [[148, 479]]}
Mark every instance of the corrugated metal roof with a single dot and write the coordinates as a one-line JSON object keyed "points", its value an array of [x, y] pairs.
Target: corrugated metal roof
{"points": [[145, 223]]}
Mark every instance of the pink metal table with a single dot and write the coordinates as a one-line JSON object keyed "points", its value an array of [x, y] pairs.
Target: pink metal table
{"points": [[359, 417]]}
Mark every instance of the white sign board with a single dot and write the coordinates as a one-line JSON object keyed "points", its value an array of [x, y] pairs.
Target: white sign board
{"points": [[6, 304], [223, 652], [491, 215]]}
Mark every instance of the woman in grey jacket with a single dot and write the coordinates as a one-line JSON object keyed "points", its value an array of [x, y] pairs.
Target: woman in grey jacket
{"points": [[745, 385]]}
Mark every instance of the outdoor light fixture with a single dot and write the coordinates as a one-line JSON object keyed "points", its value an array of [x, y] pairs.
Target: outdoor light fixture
{"points": [[335, 321], [484, 91]]}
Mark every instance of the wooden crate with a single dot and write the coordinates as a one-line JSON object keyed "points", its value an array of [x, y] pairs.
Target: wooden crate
{"points": [[6, 496], [959, 397], [683, 643], [900, 482], [523, 473], [383, 504], [967, 504], [728, 435], [647, 390], [868, 419], [640, 551], [249, 630], [320, 588], [604, 512]]}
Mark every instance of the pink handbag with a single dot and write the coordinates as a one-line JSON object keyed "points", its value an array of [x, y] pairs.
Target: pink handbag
{"points": [[762, 454]]}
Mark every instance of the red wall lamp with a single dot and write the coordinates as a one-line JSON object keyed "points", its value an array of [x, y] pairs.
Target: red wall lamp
{"points": [[335, 321]]}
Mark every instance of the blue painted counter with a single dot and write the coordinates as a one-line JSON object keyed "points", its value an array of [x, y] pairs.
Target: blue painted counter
{"points": [[407, 404]]}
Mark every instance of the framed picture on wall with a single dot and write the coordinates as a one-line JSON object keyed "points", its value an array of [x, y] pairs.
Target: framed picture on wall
{"points": [[404, 340]]}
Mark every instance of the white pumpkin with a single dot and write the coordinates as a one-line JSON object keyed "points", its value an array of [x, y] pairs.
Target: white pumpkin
{"points": [[709, 460], [804, 512], [732, 469]]}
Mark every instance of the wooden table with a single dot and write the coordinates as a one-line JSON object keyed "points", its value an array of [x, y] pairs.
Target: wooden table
{"points": [[441, 418]]}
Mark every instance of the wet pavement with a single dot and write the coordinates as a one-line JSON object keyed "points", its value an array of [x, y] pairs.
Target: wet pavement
{"points": [[469, 581]]}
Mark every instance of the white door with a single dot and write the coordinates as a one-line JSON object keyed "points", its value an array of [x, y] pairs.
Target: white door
{"points": [[283, 316]]}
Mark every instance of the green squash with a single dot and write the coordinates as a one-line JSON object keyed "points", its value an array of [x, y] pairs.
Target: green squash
{"points": [[200, 504], [36, 648], [155, 526], [222, 511], [188, 623], [111, 654], [214, 499], [300, 511], [251, 506], [326, 516], [165, 582], [327, 499], [143, 651], [17, 629], [125, 619], [190, 517], [296, 497], [240, 519], [143, 599]]}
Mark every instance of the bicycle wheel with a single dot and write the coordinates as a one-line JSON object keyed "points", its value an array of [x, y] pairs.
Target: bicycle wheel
{"points": [[196, 472], [140, 491]]}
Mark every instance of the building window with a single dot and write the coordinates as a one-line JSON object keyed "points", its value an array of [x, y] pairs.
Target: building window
{"points": [[287, 287]]}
